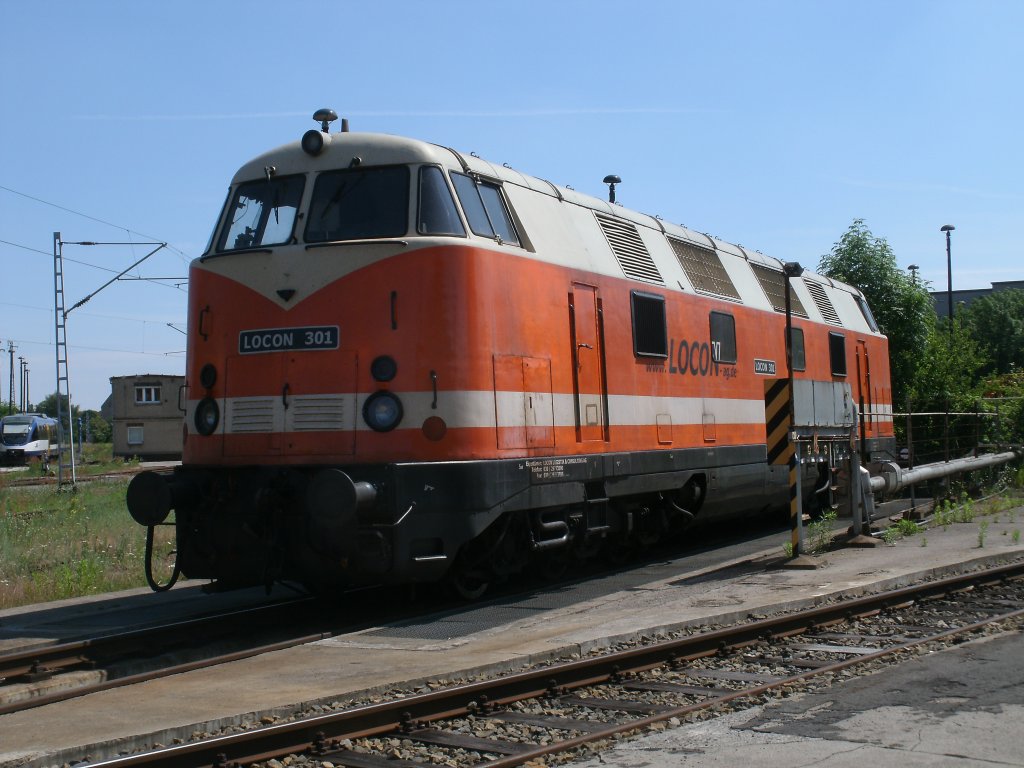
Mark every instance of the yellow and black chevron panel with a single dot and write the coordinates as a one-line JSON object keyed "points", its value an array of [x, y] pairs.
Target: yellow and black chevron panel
{"points": [[776, 421]]}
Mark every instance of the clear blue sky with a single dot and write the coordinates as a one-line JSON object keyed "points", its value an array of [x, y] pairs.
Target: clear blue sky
{"points": [[770, 124]]}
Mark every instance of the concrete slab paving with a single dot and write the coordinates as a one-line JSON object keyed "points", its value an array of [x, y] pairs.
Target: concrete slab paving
{"points": [[380, 658]]}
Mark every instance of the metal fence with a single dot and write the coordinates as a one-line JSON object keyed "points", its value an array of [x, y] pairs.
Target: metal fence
{"points": [[925, 437]]}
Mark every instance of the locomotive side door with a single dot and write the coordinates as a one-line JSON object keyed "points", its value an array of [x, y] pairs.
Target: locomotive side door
{"points": [[591, 394]]}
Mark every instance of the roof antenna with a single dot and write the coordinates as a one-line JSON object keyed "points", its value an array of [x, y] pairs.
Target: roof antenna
{"points": [[325, 117], [611, 180]]}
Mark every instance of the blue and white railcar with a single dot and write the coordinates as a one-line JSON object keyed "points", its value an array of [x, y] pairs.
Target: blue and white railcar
{"points": [[25, 436]]}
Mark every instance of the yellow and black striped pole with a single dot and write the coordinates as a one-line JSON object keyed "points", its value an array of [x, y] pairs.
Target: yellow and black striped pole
{"points": [[781, 450], [790, 270]]}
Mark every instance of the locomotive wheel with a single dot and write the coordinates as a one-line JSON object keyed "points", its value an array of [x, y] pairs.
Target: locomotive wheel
{"points": [[618, 551], [551, 566], [469, 585]]}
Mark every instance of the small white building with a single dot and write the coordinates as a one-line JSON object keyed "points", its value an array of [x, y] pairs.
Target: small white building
{"points": [[146, 416]]}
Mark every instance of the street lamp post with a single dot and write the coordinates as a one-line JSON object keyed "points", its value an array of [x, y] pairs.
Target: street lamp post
{"points": [[913, 272], [947, 228]]}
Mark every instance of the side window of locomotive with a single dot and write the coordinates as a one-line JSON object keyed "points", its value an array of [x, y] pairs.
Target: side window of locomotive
{"points": [[216, 224], [723, 337], [262, 213], [485, 208], [437, 212], [650, 328], [837, 353], [359, 204], [799, 356], [866, 311]]}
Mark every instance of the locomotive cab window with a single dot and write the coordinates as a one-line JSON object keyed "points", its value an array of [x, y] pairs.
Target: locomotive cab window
{"points": [[485, 208], [837, 353], [650, 329], [359, 204], [262, 213], [723, 337], [437, 212], [799, 356]]}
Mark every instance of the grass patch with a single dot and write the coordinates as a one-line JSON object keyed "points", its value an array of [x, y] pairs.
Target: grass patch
{"points": [[901, 529], [98, 459], [819, 533], [55, 545]]}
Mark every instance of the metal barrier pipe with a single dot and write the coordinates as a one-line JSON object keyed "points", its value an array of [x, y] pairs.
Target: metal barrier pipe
{"points": [[893, 477]]}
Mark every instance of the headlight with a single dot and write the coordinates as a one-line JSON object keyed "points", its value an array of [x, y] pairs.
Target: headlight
{"points": [[207, 416], [313, 142], [382, 411], [208, 376], [383, 368]]}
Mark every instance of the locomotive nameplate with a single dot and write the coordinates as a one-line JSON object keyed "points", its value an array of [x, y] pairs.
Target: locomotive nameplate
{"points": [[288, 339], [764, 367]]}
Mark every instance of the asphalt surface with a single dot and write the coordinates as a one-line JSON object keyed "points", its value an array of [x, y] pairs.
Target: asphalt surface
{"points": [[722, 585], [952, 709]]}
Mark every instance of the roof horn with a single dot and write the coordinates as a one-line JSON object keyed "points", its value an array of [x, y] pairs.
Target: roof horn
{"points": [[325, 117], [611, 180]]}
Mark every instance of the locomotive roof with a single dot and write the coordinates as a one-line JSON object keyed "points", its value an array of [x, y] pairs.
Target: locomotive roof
{"points": [[386, 149]]}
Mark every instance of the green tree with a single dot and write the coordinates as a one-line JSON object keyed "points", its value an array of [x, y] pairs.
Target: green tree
{"points": [[950, 367], [100, 430], [997, 322], [1004, 393], [48, 405], [900, 304]]}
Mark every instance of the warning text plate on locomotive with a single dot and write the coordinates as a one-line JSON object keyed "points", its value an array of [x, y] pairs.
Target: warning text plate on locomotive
{"points": [[284, 339]]}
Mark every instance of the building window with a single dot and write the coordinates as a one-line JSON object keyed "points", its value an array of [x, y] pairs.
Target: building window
{"points": [[134, 434], [723, 337], [650, 329], [147, 394]]}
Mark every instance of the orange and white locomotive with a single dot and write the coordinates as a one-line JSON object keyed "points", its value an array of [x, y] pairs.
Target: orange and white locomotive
{"points": [[406, 363]]}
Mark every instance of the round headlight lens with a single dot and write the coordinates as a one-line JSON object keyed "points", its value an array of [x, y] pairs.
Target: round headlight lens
{"points": [[313, 141], [382, 411], [207, 416]]}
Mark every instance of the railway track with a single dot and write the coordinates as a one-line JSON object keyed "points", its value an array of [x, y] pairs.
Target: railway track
{"points": [[44, 674], [50, 672], [565, 708]]}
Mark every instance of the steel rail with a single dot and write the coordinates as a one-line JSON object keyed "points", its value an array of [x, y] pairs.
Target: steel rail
{"points": [[715, 701], [45, 661], [155, 674], [316, 733]]}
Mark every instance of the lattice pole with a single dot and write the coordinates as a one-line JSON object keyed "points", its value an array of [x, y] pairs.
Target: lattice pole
{"points": [[65, 469]]}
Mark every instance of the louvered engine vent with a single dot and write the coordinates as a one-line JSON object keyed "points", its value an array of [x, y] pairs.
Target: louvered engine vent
{"points": [[773, 283], [704, 268], [629, 249], [823, 302]]}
